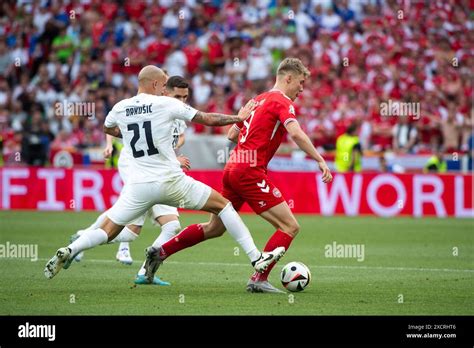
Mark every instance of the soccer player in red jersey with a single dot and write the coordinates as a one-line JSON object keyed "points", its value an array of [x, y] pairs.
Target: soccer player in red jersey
{"points": [[258, 138], [245, 175]]}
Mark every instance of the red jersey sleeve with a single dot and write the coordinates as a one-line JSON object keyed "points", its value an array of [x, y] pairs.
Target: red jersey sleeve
{"points": [[286, 111]]}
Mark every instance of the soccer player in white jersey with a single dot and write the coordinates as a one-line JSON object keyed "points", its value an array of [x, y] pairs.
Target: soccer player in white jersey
{"points": [[163, 215], [144, 121]]}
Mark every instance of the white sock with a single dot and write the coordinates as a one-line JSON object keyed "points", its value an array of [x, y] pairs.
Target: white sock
{"points": [[126, 235], [98, 222], [236, 227], [142, 270], [168, 231], [124, 245], [88, 239]]}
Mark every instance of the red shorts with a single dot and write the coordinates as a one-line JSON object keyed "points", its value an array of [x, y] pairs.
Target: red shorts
{"points": [[250, 185]]}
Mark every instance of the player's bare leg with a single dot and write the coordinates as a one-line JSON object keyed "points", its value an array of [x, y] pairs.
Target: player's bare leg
{"points": [[277, 217], [127, 235], [194, 234], [89, 239], [214, 228], [281, 217]]}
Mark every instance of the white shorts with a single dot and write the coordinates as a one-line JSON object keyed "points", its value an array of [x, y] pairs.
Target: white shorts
{"points": [[140, 221], [122, 166], [136, 199], [160, 210]]}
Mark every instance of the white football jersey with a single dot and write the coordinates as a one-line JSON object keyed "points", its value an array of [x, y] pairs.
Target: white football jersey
{"points": [[146, 122], [178, 128]]}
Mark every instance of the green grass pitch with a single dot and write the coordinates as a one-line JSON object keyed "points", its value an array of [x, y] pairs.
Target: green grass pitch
{"points": [[411, 267]]}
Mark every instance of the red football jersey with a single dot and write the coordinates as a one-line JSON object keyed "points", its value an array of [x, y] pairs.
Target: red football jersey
{"points": [[262, 133]]}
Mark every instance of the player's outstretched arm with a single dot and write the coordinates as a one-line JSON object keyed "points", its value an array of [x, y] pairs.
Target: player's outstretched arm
{"points": [[114, 131], [181, 141], [305, 144], [216, 119], [233, 134], [108, 147]]}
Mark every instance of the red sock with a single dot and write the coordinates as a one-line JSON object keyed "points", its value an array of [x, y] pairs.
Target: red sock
{"points": [[278, 239], [190, 236]]}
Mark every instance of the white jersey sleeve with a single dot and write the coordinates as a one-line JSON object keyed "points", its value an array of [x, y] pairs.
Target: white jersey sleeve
{"points": [[181, 125], [178, 128], [178, 110], [111, 119]]}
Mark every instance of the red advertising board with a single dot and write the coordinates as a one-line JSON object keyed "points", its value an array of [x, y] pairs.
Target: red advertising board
{"points": [[349, 194]]}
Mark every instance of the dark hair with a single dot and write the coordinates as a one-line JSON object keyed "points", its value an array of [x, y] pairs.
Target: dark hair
{"points": [[351, 129], [176, 82]]}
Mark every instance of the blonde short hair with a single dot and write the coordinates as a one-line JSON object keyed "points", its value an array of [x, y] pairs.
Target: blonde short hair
{"points": [[292, 65]]}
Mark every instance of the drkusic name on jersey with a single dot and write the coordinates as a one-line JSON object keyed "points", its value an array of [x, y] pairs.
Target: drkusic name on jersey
{"points": [[135, 110]]}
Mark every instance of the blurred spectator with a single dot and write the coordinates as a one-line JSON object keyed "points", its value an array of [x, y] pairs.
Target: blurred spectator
{"points": [[201, 84], [215, 52], [260, 63], [63, 141], [384, 167], [471, 152], [36, 140], [46, 96], [236, 66], [451, 124], [193, 54], [330, 20], [404, 135], [344, 11], [63, 46], [304, 23], [176, 61], [157, 47]]}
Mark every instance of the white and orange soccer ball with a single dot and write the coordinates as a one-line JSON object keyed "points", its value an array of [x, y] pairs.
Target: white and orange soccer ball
{"points": [[295, 276]]}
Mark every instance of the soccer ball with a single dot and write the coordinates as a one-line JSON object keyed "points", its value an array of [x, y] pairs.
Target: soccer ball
{"points": [[295, 276]]}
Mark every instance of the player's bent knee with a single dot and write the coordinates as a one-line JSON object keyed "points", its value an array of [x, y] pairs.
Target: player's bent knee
{"points": [[111, 228], [221, 203], [164, 219], [135, 228], [215, 203], [292, 229], [213, 233], [212, 230]]}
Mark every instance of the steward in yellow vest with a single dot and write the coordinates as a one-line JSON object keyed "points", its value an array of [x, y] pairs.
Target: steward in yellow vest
{"points": [[348, 151], [436, 163], [112, 161]]}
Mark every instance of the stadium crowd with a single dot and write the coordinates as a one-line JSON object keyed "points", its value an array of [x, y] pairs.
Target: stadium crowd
{"points": [[362, 53]]}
